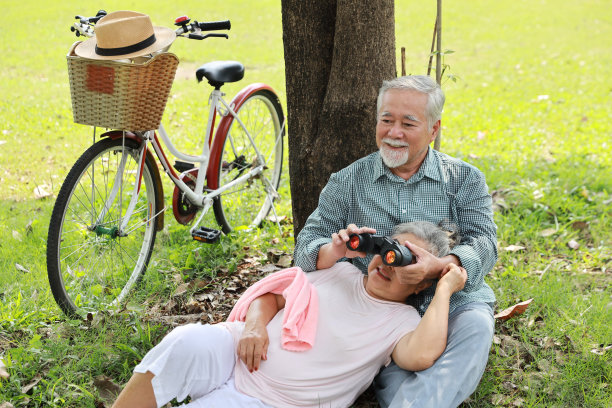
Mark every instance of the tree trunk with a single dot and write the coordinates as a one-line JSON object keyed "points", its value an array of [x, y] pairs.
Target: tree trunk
{"points": [[337, 53]]}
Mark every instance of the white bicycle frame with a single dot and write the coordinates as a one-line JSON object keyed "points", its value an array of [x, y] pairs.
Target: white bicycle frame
{"points": [[197, 195]]}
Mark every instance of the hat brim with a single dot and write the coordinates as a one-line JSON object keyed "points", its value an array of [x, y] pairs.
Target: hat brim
{"points": [[163, 38]]}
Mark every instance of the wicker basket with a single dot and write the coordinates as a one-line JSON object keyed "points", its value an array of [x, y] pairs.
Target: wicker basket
{"points": [[120, 95]]}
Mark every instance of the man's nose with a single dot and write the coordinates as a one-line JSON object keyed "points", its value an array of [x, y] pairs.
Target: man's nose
{"points": [[396, 130]]}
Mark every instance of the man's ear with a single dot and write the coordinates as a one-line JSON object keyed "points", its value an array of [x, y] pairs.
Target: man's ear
{"points": [[434, 131]]}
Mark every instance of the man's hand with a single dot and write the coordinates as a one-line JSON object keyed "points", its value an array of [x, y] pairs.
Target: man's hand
{"points": [[336, 249], [427, 266], [253, 346]]}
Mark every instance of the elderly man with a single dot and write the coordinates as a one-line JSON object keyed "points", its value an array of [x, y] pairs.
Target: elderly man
{"points": [[406, 181]]}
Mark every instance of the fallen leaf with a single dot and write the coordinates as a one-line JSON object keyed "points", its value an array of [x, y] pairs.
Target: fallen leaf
{"points": [[107, 389], [600, 351], [6, 405], [285, 261], [21, 268], [517, 309], [16, 235], [499, 202], [181, 289], [514, 248], [580, 225], [547, 232], [27, 389], [573, 244], [268, 268], [3, 373], [193, 307], [42, 191]]}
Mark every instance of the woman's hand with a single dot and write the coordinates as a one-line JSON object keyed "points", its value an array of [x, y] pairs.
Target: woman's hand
{"points": [[453, 278], [253, 346]]}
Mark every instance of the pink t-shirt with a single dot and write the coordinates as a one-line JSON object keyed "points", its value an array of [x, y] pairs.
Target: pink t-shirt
{"points": [[356, 334]]}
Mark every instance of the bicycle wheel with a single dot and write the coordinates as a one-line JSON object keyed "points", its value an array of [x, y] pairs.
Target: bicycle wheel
{"points": [[248, 203], [91, 266]]}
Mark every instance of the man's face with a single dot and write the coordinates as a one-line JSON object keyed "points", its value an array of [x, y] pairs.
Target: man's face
{"points": [[402, 134], [383, 281]]}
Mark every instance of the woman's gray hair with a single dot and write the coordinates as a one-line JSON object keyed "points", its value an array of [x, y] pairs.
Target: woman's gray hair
{"points": [[441, 238], [419, 83]]}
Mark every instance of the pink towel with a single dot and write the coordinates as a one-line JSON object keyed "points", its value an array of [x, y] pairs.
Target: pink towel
{"points": [[301, 306]]}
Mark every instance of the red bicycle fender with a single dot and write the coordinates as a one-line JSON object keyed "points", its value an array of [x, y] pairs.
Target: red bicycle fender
{"points": [[118, 134], [212, 173]]}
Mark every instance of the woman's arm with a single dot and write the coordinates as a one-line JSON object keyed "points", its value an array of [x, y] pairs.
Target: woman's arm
{"points": [[253, 344], [419, 349]]}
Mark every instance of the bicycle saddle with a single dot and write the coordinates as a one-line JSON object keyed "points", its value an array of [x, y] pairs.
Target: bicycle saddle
{"points": [[219, 72]]}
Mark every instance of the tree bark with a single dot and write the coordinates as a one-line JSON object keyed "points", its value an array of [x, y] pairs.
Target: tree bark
{"points": [[337, 53]]}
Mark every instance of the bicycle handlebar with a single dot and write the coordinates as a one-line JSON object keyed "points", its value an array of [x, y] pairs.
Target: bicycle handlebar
{"points": [[85, 27], [215, 25]]}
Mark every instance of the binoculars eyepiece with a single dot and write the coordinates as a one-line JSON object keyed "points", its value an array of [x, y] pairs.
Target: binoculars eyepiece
{"points": [[391, 251]]}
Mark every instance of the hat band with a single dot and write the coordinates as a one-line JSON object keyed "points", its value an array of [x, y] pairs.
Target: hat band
{"points": [[109, 52]]}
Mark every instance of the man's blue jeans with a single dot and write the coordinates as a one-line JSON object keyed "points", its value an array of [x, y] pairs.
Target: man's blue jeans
{"points": [[454, 376]]}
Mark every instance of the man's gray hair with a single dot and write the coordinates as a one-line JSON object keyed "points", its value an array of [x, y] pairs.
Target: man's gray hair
{"points": [[419, 83], [440, 241]]}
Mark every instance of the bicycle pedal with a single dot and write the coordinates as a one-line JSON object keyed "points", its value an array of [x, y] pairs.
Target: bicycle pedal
{"points": [[206, 235]]}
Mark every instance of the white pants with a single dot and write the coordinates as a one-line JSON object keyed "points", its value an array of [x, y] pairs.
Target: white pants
{"points": [[197, 361]]}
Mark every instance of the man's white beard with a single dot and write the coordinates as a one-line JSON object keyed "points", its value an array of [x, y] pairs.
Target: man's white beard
{"points": [[394, 158]]}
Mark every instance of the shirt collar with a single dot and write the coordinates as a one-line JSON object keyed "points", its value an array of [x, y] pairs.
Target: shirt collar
{"points": [[429, 168]]}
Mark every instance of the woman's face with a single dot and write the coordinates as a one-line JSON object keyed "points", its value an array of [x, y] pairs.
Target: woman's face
{"points": [[383, 281]]}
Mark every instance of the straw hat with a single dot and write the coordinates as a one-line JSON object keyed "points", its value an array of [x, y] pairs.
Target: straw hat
{"points": [[125, 34]]}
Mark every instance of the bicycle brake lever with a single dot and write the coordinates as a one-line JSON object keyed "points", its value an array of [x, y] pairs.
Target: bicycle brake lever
{"points": [[201, 37]]}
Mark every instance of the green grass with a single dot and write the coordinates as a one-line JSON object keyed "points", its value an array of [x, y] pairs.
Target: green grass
{"points": [[531, 108]]}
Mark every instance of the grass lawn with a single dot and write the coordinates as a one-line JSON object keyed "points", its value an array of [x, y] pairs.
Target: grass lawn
{"points": [[531, 106]]}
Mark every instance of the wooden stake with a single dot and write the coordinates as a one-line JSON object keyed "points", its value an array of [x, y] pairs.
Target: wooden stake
{"points": [[439, 64], [403, 61]]}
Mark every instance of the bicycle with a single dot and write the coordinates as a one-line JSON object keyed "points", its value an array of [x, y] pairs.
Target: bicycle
{"points": [[111, 204]]}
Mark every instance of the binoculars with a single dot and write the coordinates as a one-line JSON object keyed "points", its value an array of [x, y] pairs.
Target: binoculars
{"points": [[391, 251]]}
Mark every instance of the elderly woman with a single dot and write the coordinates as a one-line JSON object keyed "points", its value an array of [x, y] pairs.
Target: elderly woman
{"points": [[362, 322]]}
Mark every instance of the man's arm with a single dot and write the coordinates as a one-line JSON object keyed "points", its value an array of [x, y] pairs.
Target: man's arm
{"points": [[419, 349], [477, 251], [478, 247], [253, 344], [329, 217]]}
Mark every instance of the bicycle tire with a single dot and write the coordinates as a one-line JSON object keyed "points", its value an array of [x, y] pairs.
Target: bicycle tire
{"points": [[90, 267], [247, 204]]}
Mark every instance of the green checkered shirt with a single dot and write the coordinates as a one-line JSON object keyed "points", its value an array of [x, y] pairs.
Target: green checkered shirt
{"points": [[367, 193]]}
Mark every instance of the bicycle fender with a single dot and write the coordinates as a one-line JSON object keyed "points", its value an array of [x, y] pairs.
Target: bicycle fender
{"points": [[159, 197], [222, 129]]}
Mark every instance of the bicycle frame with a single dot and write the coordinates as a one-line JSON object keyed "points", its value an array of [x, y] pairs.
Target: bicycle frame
{"points": [[211, 148]]}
